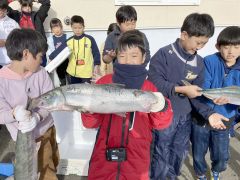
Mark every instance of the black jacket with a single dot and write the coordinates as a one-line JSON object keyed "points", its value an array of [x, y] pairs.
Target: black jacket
{"points": [[38, 17]]}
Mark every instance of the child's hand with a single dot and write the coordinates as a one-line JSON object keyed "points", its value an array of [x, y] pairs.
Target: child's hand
{"points": [[26, 121], [192, 91], [20, 113], [111, 53], [96, 74], [28, 125], [215, 120], [221, 100], [96, 70]]}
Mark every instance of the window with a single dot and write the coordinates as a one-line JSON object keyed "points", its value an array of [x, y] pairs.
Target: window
{"points": [[158, 2]]}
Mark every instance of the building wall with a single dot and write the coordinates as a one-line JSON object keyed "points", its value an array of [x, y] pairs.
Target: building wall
{"points": [[161, 24], [98, 14]]}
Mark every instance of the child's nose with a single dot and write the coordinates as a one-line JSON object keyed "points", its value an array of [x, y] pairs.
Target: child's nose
{"points": [[229, 50]]}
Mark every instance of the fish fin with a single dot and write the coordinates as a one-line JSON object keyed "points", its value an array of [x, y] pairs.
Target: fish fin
{"points": [[115, 85], [81, 110], [186, 83], [232, 87], [159, 105], [121, 114]]}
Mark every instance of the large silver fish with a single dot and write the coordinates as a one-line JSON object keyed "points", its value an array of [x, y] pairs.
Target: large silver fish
{"points": [[26, 157], [107, 98], [81, 97], [232, 93], [26, 154]]}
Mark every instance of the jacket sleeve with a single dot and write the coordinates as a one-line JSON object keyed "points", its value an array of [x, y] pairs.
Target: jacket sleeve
{"points": [[208, 75], [199, 103], [55, 52], [43, 10], [14, 14], [95, 52], [162, 119], [6, 116], [158, 74], [108, 44], [91, 120]]}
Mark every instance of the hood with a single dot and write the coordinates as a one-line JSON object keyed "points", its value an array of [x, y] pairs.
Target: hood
{"points": [[7, 73]]}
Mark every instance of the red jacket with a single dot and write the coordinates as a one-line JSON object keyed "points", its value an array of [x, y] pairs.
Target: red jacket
{"points": [[139, 138]]}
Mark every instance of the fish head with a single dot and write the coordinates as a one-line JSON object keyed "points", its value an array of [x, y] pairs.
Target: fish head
{"points": [[49, 101]]}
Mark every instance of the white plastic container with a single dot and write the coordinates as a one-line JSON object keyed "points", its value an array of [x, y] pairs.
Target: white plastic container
{"points": [[75, 143]]}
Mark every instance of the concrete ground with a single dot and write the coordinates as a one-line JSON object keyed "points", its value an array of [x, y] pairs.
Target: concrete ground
{"points": [[232, 172]]}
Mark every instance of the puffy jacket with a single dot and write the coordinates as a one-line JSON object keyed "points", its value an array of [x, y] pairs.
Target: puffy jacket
{"points": [[137, 139]]}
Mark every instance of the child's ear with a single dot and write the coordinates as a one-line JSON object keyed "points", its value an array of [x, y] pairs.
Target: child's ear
{"points": [[25, 54], [184, 35]]}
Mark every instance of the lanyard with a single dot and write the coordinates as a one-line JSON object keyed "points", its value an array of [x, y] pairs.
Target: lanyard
{"points": [[131, 120], [74, 52]]}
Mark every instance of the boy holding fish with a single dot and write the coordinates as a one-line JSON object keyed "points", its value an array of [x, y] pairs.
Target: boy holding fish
{"points": [[21, 79], [122, 148], [222, 70], [168, 67]]}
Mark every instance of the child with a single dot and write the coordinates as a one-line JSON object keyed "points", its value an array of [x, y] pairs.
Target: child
{"points": [[28, 18], [106, 68], [85, 54], [25, 78], [55, 41], [126, 17], [132, 133], [222, 70], [169, 66], [6, 26]]}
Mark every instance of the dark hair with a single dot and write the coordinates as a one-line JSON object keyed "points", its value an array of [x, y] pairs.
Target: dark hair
{"points": [[197, 25], [229, 36], [3, 4], [77, 19], [55, 22], [126, 13], [112, 27], [132, 38], [20, 39], [26, 3]]}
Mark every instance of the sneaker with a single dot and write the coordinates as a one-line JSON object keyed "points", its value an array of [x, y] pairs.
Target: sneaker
{"points": [[203, 177], [215, 175]]}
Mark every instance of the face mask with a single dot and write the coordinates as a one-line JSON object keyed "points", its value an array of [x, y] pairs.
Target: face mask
{"points": [[26, 13], [132, 76]]}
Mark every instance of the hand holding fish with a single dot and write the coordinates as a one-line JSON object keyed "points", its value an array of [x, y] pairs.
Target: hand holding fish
{"points": [[20, 113], [215, 120], [190, 91], [28, 125], [26, 121], [221, 100]]}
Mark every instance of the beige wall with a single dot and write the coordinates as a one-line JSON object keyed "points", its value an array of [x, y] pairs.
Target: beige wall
{"points": [[99, 13]]}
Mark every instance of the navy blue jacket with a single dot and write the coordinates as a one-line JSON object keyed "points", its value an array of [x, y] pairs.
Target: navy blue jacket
{"points": [[111, 43], [168, 67]]}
